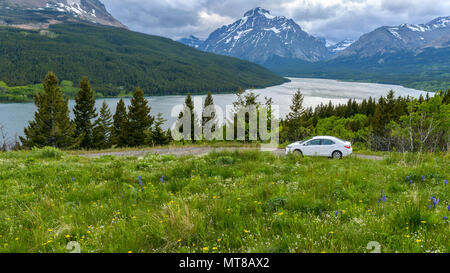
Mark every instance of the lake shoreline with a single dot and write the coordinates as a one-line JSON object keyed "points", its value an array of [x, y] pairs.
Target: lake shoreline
{"points": [[15, 116]]}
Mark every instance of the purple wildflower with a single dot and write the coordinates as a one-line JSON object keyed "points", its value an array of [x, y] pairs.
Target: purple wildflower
{"points": [[162, 179], [410, 182], [73, 179], [445, 181], [337, 213], [448, 208], [445, 218], [407, 178], [423, 178], [383, 197], [434, 201], [140, 183]]}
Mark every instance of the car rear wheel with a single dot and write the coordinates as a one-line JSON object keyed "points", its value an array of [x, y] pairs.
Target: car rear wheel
{"points": [[337, 155]]}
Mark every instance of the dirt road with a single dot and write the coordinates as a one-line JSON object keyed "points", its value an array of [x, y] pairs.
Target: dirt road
{"points": [[196, 151]]}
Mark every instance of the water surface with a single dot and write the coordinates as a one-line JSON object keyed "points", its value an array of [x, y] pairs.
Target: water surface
{"points": [[14, 117]]}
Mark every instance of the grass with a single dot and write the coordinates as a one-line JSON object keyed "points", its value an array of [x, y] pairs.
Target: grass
{"points": [[222, 202], [19, 94]]}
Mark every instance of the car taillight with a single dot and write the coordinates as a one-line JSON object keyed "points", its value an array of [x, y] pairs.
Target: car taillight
{"points": [[348, 147]]}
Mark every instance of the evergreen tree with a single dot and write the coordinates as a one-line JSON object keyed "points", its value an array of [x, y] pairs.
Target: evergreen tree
{"points": [[209, 102], [51, 125], [195, 125], [139, 119], [296, 121], [119, 132], [102, 128], [159, 136], [85, 111]]}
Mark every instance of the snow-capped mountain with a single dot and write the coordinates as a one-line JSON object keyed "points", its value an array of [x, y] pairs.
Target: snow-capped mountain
{"points": [[39, 13], [259, 36], [192, 41], [338, 47], [402, 38]]}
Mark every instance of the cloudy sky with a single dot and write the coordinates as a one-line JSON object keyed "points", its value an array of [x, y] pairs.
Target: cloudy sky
{"points": [[332, 19]]}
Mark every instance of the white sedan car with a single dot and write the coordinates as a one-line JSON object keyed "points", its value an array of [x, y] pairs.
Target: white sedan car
{"points": [[321, 146]]}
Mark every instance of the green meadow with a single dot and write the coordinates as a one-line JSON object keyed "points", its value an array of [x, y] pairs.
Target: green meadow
{"points": [[223, 202]]}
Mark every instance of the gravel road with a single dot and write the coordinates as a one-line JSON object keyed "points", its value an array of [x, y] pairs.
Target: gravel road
{"points": [[196, 151]]}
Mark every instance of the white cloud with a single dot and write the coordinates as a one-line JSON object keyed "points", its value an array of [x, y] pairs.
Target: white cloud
{"points": [[333, 19]]}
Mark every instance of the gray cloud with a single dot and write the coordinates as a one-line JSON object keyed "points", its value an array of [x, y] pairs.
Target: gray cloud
{"points": [[332, 19]]}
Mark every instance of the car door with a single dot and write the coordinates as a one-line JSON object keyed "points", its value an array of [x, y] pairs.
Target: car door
{"points": [[312, 148], [328, 147]]}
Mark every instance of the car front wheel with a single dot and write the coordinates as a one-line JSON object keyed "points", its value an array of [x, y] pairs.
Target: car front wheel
{"points": [[298, 153], [337, 155]]}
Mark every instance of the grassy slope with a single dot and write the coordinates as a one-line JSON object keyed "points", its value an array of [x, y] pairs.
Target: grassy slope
{"points": [[224, 202], [26, 93], [117, 60]]}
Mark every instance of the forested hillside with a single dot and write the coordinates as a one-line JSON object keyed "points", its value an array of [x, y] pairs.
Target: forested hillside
{"points": [[427, 71], [117, 60]]}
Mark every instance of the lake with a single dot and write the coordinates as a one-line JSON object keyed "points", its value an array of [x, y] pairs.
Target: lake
{"points": [[14, 117]]}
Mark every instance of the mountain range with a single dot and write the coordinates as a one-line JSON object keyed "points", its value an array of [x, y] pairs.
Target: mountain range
{"points": [[381, 55]]}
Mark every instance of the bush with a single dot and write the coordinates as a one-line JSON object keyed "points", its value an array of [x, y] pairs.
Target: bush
{"points": [[47, 152]]}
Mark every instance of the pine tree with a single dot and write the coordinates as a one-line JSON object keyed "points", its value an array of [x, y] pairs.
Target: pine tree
{"points": [[119, 132], [195, 126], [51, 125], [139, 119], [102, 128], [84, 113], [295, 124], [159, 135], [209, 102]]}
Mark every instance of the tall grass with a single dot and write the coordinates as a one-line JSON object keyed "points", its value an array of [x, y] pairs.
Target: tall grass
{"points": [[222, 202]]}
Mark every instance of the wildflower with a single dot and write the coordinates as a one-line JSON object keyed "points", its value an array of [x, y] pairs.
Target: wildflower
{"points": [[445, 218], [214, 248], [423, 178], [50, 230], [130, 251], [407, 236], [162, 179], [140, 183], [448, 208], [410, 182], [218, 240], [407, 178], [383, 198], [179, 241], [246, 231], [445, 182], [418, 241], [205, 248], [423, 222], [434, 202], [280, 214], [67, 236], [73, 179], [331, 232]]}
